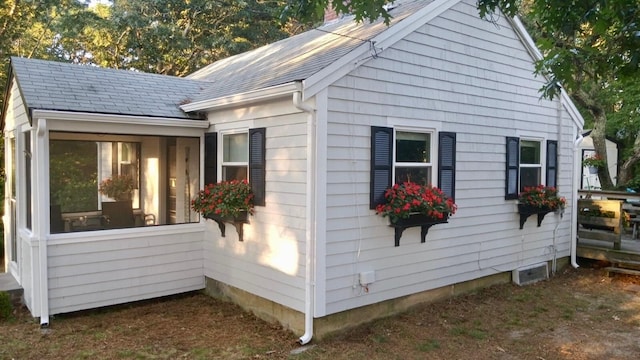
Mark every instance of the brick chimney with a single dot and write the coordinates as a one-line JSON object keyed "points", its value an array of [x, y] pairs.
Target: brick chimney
{"points": [[330, 14]]}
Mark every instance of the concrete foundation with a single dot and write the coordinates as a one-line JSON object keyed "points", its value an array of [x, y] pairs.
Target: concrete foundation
{"points": [[331, 324]]}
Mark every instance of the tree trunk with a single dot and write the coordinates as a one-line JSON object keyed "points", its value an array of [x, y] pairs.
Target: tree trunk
{"points": [[600, 144], [597, 134], [625, 171]]}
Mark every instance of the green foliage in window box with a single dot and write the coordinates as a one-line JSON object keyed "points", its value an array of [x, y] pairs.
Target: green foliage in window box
{"points": [[224, 199], [542, 197], [408, 198]]}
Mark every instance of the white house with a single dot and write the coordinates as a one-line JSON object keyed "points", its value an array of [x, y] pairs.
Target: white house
{"points": [[321, 124]]}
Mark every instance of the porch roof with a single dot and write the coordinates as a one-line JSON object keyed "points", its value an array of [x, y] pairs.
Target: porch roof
{"points": [[295, 58], [49, 85]]}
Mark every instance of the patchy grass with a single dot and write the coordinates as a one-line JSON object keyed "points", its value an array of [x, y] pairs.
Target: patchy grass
{"points": [[579, 314]]}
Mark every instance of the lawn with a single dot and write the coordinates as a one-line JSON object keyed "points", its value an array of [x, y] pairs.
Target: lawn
{"points": [[578, 314]]}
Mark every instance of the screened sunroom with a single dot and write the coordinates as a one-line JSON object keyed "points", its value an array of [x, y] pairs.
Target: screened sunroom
{"points": [[102, 181]]}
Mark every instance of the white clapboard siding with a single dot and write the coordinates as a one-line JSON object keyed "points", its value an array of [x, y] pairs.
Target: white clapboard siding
{"points": [[270, 262], [16, 111], [467, 76], [102, 269]]}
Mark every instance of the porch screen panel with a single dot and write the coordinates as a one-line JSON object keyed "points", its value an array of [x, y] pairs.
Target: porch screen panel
{"points": [[257, 160], [447, 163], [552, 163], [512, 163], [381, 164]]}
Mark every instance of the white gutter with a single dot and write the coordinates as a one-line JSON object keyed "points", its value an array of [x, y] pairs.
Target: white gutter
{"points": [[120, 119], [41, 222], [243, 98], [310, 216], [574, 201]]}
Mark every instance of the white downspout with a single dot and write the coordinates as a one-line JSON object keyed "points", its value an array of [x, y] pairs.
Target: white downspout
{"points": [[310, 216], [574, 202], [558, 157], [41, 221]]}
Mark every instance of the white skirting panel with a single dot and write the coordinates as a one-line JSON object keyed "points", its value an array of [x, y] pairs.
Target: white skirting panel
{"points": [[114, 267]]}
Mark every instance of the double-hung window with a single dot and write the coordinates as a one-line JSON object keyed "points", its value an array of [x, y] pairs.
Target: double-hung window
{"points": [[243, 157], [526, 164], [235, 156], [413, 157], [401, 155], [530, 164]]}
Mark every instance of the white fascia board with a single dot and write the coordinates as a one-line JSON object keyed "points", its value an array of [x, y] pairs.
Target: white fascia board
{"points": [[385, 39], [120, 119], [244, 98], [535, 53]]}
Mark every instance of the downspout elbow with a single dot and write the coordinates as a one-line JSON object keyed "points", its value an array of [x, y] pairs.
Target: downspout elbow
{"points": [[298, 103]]}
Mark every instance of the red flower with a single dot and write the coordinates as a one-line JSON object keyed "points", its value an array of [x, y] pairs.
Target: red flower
{"points": [[226, 199], [408, 198]]}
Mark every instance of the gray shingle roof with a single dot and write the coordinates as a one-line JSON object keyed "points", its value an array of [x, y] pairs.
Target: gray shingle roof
{"points": [[49, 85], [294, 58]]}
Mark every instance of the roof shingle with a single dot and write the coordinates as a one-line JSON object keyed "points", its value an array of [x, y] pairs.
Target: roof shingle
{"points": [[49, 85], [295, 58]]}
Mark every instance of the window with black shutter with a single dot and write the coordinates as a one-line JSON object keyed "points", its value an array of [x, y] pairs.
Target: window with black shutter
{"points": [[413, 160], [525, 165]]}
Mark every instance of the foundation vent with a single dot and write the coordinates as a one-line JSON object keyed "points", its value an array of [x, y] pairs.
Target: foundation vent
{"points": [[531, 274]]}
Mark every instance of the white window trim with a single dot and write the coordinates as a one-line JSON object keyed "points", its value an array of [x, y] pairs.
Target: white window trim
{"points": [[543, 159], [433, 151], [221, 162]]}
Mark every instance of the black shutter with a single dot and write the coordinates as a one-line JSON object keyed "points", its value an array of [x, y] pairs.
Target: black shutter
{"points": [[447, 163], [210, 158], [513, 164], [552, 163], [381, 163], [257, 164]]}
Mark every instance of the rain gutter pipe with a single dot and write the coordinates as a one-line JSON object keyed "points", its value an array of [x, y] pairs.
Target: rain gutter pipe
{"points": [[574, 201], [310, 216], [558, 162], [42, 235]]}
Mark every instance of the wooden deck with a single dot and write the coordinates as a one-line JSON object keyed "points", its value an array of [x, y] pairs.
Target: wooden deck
{"points": [[603, 250]]}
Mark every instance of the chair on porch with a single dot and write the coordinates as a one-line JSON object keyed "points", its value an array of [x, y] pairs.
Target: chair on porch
{"points": [[56, 221], [118, 214]]}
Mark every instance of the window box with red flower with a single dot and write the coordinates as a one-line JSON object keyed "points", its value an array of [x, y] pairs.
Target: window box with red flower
{"points": [[226, 201], [410, 205], [539, 200]]}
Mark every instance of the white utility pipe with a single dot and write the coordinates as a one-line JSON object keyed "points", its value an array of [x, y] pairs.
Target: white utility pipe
{"points": [[310, 215], [574, 201]]}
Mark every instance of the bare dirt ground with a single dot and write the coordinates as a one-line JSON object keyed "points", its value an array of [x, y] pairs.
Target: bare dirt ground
{"points": [[578, 314]]}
